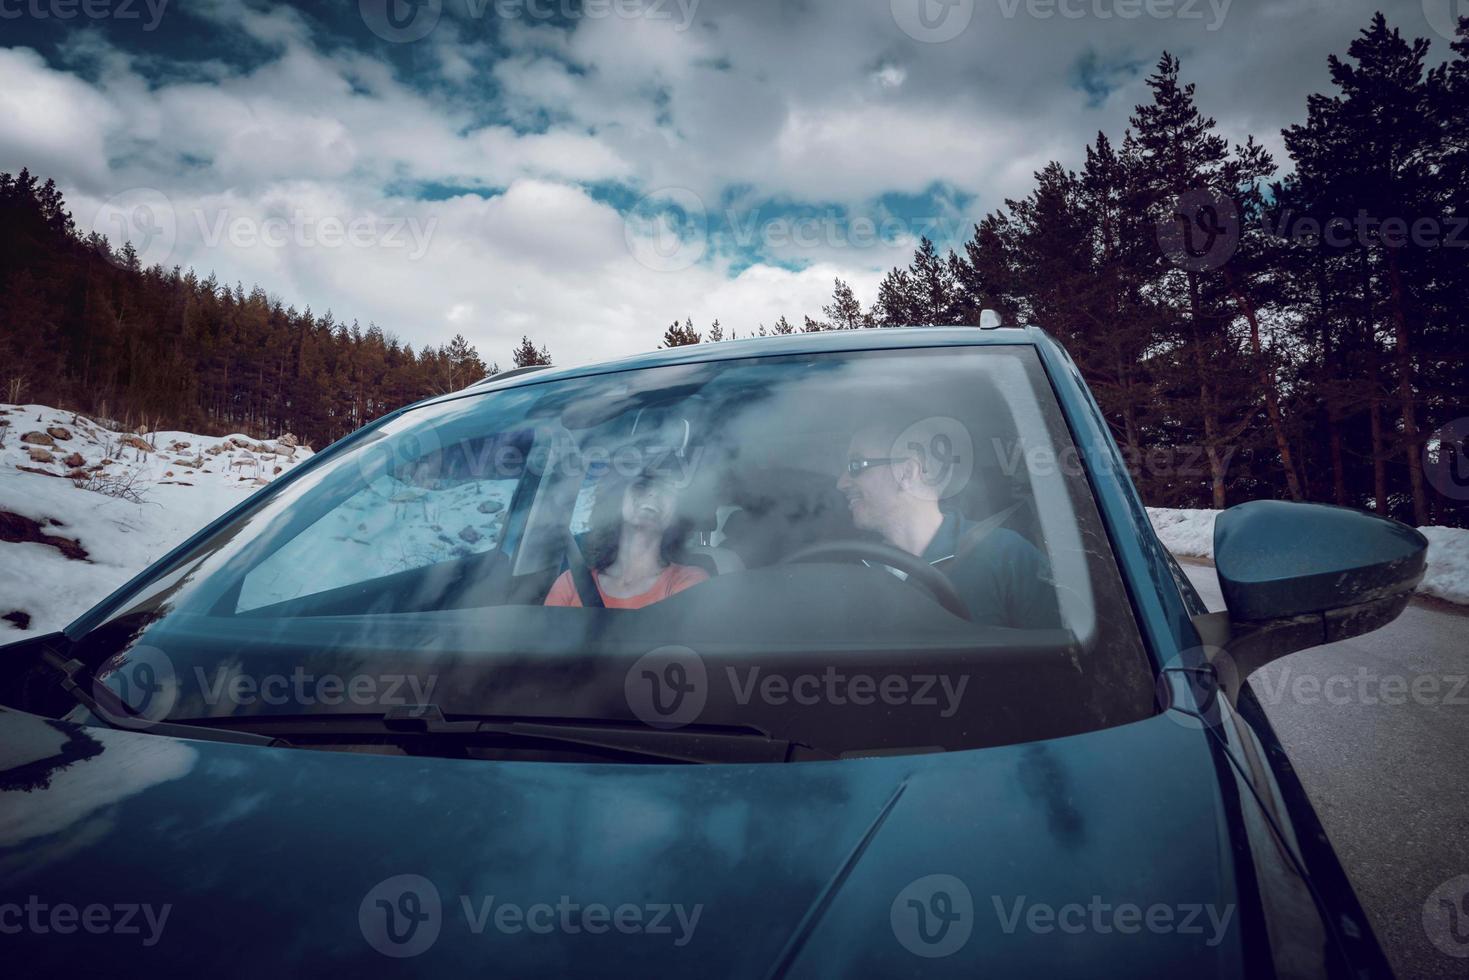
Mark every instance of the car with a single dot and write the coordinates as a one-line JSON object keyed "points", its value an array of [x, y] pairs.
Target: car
{"points": [[341, 731]]}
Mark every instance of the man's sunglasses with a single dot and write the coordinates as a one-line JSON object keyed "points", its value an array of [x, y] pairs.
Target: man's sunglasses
{"points": [[856, 467]]}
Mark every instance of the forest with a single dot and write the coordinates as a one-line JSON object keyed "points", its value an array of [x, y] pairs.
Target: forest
{"points": [[1250, 327], [84, 326]]}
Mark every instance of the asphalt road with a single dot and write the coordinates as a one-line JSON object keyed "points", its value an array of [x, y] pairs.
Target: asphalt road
{"points": [[1378, 729]]}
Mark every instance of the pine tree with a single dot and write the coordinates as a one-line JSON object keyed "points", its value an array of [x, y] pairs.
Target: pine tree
{"points": [[1376, 149], [933, 285], [680, 335], [986, 278], [1445, 287], [458, 364], [1255, 260], [528, 355], [897, 303], [1125, 321], [1179, 154], [845, 312], [1053, 242], [927, 293]]}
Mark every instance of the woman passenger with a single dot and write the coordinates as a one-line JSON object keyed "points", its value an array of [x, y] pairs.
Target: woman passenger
{"points": [[633, 532]]}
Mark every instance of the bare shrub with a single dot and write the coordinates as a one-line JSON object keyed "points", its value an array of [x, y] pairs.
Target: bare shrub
{"points": [[121, 485]]}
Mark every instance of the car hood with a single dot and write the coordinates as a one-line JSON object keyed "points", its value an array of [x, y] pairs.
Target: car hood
{"points": [[998, 862]]}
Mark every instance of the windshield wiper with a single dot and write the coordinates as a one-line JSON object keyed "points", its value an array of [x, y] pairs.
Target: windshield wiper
{"points": [[427, 722], [114, 712]]}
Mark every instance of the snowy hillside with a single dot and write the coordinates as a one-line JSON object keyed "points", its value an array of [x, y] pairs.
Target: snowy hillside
{"points": [[1191, 533], [83, 508]]}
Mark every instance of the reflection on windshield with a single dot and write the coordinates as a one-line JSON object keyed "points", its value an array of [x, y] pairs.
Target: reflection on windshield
{"points": [[889, 510]]}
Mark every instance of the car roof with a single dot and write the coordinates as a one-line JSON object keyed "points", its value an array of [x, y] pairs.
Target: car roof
{"points": [[826, 341]]}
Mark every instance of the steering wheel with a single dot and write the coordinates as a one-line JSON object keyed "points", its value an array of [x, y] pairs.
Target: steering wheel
{"points": [[933, 581]]}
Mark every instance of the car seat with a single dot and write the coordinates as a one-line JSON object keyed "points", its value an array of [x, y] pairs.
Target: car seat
{"points": [[781, 510]]}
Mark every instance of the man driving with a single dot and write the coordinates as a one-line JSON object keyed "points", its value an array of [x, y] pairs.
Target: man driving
{"points": [[1002, 577]]}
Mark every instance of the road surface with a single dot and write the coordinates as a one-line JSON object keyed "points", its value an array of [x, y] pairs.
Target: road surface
{"points": [[1378, 729]]}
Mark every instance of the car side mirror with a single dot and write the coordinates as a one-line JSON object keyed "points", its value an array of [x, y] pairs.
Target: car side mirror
{"points": [[1298, 575]]}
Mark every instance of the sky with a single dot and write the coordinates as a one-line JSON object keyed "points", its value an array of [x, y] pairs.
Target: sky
{"points": [[588, 171]]}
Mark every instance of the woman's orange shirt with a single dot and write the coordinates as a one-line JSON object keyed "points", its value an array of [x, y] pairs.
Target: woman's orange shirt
{"points": [[675, 578]]}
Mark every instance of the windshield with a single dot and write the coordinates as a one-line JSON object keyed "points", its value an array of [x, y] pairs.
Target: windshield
{"points": [[866, 553]]}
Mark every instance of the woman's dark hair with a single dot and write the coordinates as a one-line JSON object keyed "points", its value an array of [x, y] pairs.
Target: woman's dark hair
{"points": [[605, 533]]}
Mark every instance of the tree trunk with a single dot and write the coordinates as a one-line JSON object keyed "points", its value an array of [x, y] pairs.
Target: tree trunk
{"points": [[1407, 400], [1338, 473], [1218, 496], [1268, 385], [1374, 388], [1334, 368], [1379, 452]]}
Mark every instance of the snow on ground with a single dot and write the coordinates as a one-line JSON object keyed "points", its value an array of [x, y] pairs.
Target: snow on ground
{"points": [[182, 481], [1190, 533], [1448, 563]]}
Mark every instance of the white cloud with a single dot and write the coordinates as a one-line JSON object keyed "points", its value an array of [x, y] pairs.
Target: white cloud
{"points": [[890, 76], [54, 123]]}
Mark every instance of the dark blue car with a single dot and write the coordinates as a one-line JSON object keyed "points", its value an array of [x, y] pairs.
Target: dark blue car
{"points": [[848, 654]]}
